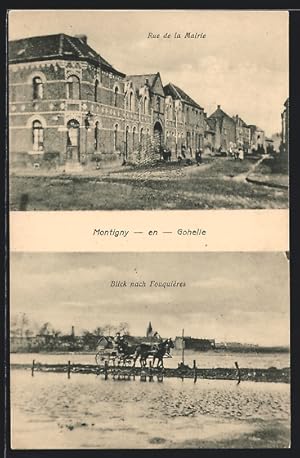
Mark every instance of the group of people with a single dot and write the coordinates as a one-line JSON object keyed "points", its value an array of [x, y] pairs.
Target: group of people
{"points": [[237, 153]]}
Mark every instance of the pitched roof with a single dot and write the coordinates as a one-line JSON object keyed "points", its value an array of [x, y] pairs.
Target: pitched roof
{"points": [[211, 125], [59, 46], [220, 114], [139, 80], [242, 122], [179, 94]]}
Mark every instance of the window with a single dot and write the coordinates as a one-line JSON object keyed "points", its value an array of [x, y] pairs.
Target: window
{"points": [[130, 105], [73, 87], [37, 136], [158, 104], [96, 133], [96, 91], [134, 137], [37, 88], [145, 107], [142, 137], [116, 97], [116, 137]]}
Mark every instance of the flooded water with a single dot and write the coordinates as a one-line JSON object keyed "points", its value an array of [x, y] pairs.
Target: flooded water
{"points": [[209, 359], [51, 411]]}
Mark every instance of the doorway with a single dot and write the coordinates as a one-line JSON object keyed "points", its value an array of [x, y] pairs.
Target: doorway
{"points": [[73, 141]]}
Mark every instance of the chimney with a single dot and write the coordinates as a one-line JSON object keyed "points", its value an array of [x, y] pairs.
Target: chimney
{"points": [[219, 106], [147, 82], [83, 38], [73, 331]]}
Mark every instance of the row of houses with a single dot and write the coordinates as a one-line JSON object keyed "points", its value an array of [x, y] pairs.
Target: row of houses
{"points": [[68, 104]]}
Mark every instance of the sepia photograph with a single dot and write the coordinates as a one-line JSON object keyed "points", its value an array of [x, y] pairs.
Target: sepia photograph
{"points": [[149, 350], [148, 110]]}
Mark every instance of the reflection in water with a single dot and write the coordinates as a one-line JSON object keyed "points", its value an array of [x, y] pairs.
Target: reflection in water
{"points": [[48, 410]]}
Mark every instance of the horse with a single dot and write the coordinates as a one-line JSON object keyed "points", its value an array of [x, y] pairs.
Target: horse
{"points": [[125, 350], [142, 351], [163, 349], [158, 351]]}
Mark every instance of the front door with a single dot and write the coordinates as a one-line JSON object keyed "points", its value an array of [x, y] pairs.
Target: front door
{"points": [[157, 137], [73, 141]]}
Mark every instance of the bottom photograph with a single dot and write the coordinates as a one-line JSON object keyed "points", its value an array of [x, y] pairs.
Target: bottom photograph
{"points": [[149, 350]]}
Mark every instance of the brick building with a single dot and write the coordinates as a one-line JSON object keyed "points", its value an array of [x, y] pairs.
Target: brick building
{"points": [[68, 104], [242, 133], [184, 122], [258, 142], [225, 129], [209, 135]]}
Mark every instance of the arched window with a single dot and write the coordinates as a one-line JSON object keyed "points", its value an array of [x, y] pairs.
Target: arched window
{"points": [[96, 91], [134, 138], [130, 101], [116, 96], [96, 138], [145, 107], [187, 115], [142, 136], [158, 103], [167, 112], [37, 88], [37, 136], [73, 87], [116, 137]]}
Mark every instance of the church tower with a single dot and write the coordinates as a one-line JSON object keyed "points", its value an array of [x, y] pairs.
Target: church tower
{"points": [[149, 332]]}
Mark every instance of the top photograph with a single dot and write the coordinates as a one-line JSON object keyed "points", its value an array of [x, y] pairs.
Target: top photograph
{"points": [[148, 110]]}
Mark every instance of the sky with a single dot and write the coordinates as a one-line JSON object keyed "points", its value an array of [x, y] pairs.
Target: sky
{"points": [[242, 64], [240, 297]]}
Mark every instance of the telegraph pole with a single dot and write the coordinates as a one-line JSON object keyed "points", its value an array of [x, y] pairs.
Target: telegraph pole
{"points": [[183, 345]]}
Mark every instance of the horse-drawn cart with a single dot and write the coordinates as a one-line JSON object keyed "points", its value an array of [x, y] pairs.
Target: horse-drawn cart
{"points": [[117, 352]]}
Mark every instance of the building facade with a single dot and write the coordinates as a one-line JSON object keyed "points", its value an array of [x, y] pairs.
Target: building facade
{"points": [[258, 142], [285, 127], [67, 104], [242, 133], [225, 130], [184, 122]]}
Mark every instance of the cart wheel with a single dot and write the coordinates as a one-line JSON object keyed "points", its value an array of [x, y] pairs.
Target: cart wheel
{"points": [[99, 359], [128, 362]]}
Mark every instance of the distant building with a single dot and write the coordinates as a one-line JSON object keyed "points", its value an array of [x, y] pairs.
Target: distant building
{"points": [[192, 343], [149, 332], [225, 130], [276, 141], [257, 139], [269, 145], [242, 133]]}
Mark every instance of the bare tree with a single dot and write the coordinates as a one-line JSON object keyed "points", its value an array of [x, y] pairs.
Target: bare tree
{"points": [[123, 328]]}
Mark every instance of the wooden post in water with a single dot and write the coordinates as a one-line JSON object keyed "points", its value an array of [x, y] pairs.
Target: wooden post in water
{"points": [[69, 369], [143, 376], [183, 345], [105, 370], [32, 368], [150, 372], [160, 377], [238, 373], [195, 371]]}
